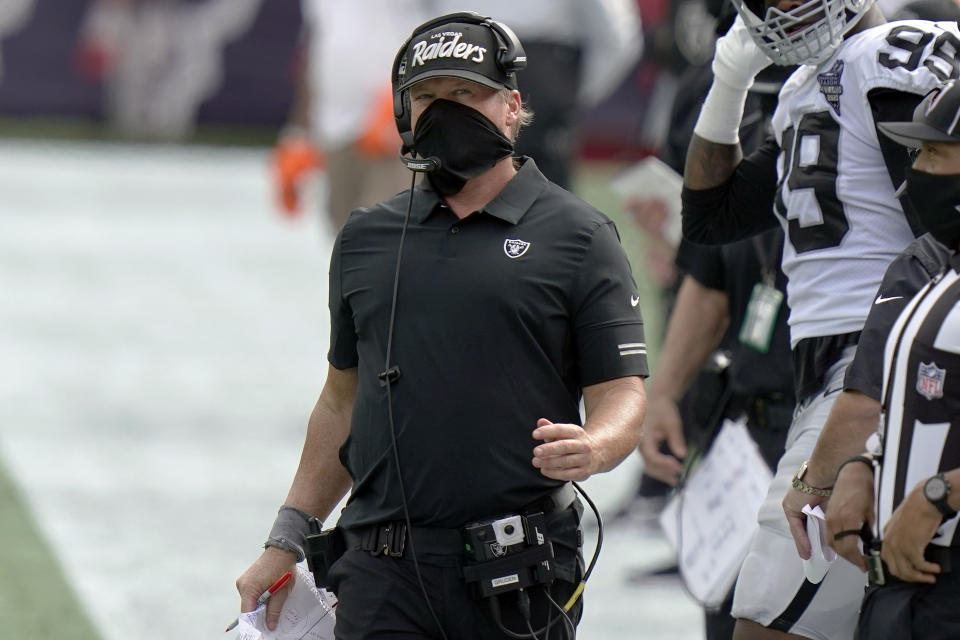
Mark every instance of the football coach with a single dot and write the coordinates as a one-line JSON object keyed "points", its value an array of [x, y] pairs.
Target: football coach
{"points": [[469, 317]]}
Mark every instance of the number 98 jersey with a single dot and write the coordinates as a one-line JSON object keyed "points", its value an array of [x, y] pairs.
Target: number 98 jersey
{"points": [[835, 198]]}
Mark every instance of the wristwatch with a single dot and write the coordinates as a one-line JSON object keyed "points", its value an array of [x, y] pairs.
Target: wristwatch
{"points": [[801, 486], [936, 489]]}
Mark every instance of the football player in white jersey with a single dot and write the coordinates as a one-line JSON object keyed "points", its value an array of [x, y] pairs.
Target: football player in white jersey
{"points": [[829, 179]]}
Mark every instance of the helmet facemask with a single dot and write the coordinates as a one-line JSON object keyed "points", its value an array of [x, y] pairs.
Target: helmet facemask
{"points": [[807, 34]]}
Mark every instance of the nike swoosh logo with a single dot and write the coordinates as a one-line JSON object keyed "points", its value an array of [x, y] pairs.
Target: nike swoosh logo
{"points": [[634, 301], [881, 299]]}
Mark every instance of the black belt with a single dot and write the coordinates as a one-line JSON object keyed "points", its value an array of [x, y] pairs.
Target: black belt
{"points": [[946, 557], [812, 357], [390, 538]]}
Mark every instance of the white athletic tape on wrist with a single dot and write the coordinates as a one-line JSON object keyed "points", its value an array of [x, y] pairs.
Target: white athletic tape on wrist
{"points": [[721, 114]]}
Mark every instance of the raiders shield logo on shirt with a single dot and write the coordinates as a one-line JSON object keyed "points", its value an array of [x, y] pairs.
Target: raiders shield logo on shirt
{"points": [[515, 248], [930, 380]]}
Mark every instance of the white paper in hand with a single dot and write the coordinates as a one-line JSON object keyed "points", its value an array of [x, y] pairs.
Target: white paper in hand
{"points": [[821, 555], [711, 522], [308, 614]]}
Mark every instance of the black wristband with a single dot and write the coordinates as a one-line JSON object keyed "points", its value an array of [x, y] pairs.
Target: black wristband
{"points": [[864, 458]]}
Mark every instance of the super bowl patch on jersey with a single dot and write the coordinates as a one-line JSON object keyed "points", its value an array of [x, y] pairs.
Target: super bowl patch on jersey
{"points": [[830, 85]]}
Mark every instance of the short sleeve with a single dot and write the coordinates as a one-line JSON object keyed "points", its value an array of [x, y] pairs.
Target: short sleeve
{"points": [[905, 276], [607, 321], [343, 334], [704, 263]]}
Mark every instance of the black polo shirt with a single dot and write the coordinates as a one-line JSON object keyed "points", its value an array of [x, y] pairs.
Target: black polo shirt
{"points": [[501, 319], [905, 276]]}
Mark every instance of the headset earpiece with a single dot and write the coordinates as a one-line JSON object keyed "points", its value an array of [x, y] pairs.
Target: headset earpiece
{"points": [[401, 102], [511, 57]]}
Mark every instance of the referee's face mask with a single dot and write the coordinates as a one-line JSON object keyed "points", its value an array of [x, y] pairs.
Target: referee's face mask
{"points": [[465, 141], [933, 188]]}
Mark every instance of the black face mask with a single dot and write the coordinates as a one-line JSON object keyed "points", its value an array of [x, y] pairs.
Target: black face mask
{"points": [[464, 140], [936, 199]]}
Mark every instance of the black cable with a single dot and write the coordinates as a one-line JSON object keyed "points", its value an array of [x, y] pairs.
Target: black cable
{"points": [[495, 614], [494, 604], [530, 628], [596, 551], [389, 371], [523, 603], [572, 628]]}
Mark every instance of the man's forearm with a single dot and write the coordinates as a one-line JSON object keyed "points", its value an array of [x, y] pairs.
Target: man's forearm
{"points": [[709, 164], [697, 323], [614, 418], [853, 418], [321, 480]]}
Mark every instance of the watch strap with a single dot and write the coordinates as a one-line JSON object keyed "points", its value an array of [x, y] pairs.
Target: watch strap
{"points": [[941, 503], [865, 458]]}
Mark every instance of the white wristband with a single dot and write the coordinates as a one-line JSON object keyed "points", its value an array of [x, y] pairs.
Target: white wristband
{"points": [[721, 113]]}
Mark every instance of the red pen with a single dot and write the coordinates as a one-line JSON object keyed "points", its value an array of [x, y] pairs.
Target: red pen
{"points": [[276, 586]]}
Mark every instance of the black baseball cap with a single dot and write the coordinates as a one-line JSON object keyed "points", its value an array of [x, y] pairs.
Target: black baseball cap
{"points": [[936, 119], [457, 49]]}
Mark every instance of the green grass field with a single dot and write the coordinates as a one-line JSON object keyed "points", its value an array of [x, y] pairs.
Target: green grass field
{"points": [[36, 603]]}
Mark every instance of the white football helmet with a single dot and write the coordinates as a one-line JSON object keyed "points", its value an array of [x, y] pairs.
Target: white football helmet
{"points": [[807, 34]]}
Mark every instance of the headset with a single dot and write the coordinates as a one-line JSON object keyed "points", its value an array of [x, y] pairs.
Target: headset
{"points": [[509, 59]]}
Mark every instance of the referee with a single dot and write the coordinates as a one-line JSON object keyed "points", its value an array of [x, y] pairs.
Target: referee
{"points": [[915, 590], [469, 317]]}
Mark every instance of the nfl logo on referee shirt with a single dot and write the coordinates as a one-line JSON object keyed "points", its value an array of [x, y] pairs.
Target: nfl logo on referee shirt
{"points": [[930, 380], [515, 248]]}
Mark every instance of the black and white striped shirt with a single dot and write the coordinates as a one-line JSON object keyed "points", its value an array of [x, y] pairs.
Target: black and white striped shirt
{"points": [[922, 396]]}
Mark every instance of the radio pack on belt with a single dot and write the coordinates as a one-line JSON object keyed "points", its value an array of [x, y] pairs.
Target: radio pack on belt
{"points": [[507, 554], [322, 549]]}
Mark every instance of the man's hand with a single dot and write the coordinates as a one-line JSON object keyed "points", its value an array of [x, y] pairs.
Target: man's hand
{"points": [[568, 452], [909, 531], [663, 423], [851, 506], [737, 58], [268, 568], [793, 503]]}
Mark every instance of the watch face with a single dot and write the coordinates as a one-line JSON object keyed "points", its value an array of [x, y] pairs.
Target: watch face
{"points": [[935, 488]]}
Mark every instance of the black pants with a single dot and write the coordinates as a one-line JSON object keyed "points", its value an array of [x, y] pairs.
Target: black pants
{"points": [[380, 597], [911, 610]]}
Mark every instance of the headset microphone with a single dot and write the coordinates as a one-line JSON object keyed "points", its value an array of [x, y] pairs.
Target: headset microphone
{"points": [[420, 165]]}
